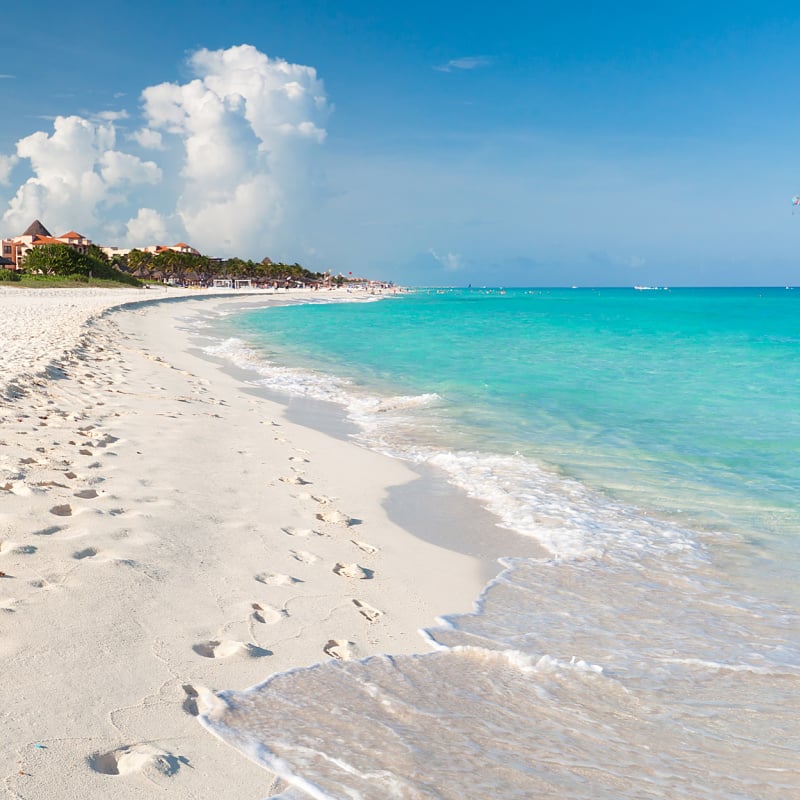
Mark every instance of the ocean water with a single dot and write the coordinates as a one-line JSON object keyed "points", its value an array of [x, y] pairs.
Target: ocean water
{"points": [[649, 441]]}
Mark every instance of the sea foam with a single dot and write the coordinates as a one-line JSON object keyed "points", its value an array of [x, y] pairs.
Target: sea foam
{"points": [[626, 665]]}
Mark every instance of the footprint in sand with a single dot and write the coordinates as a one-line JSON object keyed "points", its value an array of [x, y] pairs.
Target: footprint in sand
{"points": [[189, 704], [341, 649], [322, 499], [64, 510], [86, 494], [227, 648], [304, 557], [87, 552], [16, 549], [303, 532], [353, 571], [294, 480], [299, 459], [136, 758], [6, 607], [367, 548], [367, 611], [267, 614], [276, 579], [335, 518], [49, 531]]}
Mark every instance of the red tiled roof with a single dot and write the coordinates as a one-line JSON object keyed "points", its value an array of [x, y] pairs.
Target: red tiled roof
{"points": [[71, 235], [45, 240]]}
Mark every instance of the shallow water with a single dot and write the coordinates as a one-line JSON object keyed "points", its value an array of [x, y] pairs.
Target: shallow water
{"points": [[648, 441]]}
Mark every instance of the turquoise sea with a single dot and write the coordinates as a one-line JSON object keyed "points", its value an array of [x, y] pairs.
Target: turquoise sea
{"points": [[649, 441]]}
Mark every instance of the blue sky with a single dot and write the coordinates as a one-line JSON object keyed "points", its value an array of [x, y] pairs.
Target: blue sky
{"points": [[436, 143]]}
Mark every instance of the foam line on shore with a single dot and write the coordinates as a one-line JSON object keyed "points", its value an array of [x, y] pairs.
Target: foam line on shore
{"points": [[162, 530]]}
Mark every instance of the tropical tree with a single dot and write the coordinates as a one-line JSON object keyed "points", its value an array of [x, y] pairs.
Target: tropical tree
{"points": [[138, 259], [56, 259], [61, 259]]}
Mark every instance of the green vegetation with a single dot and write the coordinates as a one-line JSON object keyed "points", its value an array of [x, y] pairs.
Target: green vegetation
{"points": [[55, 263], [62, 265], [70, 282], [168, 264]]}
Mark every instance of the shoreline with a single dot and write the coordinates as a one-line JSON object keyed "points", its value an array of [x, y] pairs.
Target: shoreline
{"points": [[464, 525], [165, 529]]}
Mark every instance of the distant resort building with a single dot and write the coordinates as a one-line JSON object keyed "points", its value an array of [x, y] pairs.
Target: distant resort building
{"points": [[116, 252], [177, 264], [180, 247], [14, 250]]}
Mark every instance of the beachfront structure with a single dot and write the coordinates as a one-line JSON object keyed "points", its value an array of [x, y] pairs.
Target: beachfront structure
{"points": [[115, 253], [180, 247], [178, 263], [16, 248]]}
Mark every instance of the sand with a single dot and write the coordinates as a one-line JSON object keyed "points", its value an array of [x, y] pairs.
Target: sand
{"points": [[164, 531]]}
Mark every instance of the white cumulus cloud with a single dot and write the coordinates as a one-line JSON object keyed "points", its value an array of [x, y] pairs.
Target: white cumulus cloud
{"points": [[117, 168], [246, 125], [150, 140], [76, 170], [147, 226], [231, 162], [6, 165]]}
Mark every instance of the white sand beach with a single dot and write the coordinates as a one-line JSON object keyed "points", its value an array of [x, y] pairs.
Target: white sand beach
{"points": [[163, 531]]}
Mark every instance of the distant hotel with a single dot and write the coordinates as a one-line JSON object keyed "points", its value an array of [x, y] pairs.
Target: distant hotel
{"points": [[15, 249]]}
